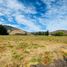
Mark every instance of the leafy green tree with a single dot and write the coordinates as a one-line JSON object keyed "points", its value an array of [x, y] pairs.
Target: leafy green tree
{"points": [[3, 30]]}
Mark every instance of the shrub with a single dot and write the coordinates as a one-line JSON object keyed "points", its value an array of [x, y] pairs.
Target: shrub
{"points": [[59, 34]]}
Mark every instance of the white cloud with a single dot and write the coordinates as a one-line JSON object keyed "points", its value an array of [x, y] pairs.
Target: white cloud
{"points": [[31, 26], [13, 8], [15, 5], [58, 24], [55, 8], [55, 15]]}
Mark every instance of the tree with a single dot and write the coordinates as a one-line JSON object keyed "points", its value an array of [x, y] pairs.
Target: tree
{"points": [[47, 33], [3, 30]]}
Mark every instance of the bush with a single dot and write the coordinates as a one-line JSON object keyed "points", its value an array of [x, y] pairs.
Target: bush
{"points": [[59, 34], [3, 30]]}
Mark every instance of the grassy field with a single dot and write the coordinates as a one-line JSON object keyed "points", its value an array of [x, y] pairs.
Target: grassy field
{"points": [[18, 51]]}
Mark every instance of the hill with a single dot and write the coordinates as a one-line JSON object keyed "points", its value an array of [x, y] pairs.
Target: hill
{"points": [[15, 31], [64, 31]]}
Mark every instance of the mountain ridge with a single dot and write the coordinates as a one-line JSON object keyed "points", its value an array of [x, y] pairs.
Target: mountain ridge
{"points": [[14, 31]]}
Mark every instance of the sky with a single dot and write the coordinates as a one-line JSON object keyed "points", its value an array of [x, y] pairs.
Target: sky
{"points": [[34, 15]]}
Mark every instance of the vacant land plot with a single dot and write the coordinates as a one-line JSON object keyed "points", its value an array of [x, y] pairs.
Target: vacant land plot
{"points": [[23, 51]]}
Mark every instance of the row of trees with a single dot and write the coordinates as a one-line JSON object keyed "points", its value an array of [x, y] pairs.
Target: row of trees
{"points": [[41, 33], [47, 33]]}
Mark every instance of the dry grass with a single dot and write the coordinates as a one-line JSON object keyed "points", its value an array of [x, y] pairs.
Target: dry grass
{"points": [[18, 51]]}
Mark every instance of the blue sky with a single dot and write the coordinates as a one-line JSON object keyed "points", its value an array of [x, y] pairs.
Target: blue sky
{"points": [[34, 15]]}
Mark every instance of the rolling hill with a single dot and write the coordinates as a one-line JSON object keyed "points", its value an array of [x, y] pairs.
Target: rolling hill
{"points": [[15, 31]]}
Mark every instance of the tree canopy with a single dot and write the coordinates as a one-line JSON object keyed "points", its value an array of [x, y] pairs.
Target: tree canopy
{"points": [[3, 30]]}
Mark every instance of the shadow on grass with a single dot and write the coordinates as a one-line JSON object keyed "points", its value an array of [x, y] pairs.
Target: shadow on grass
{"points": [[56, 63]]}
